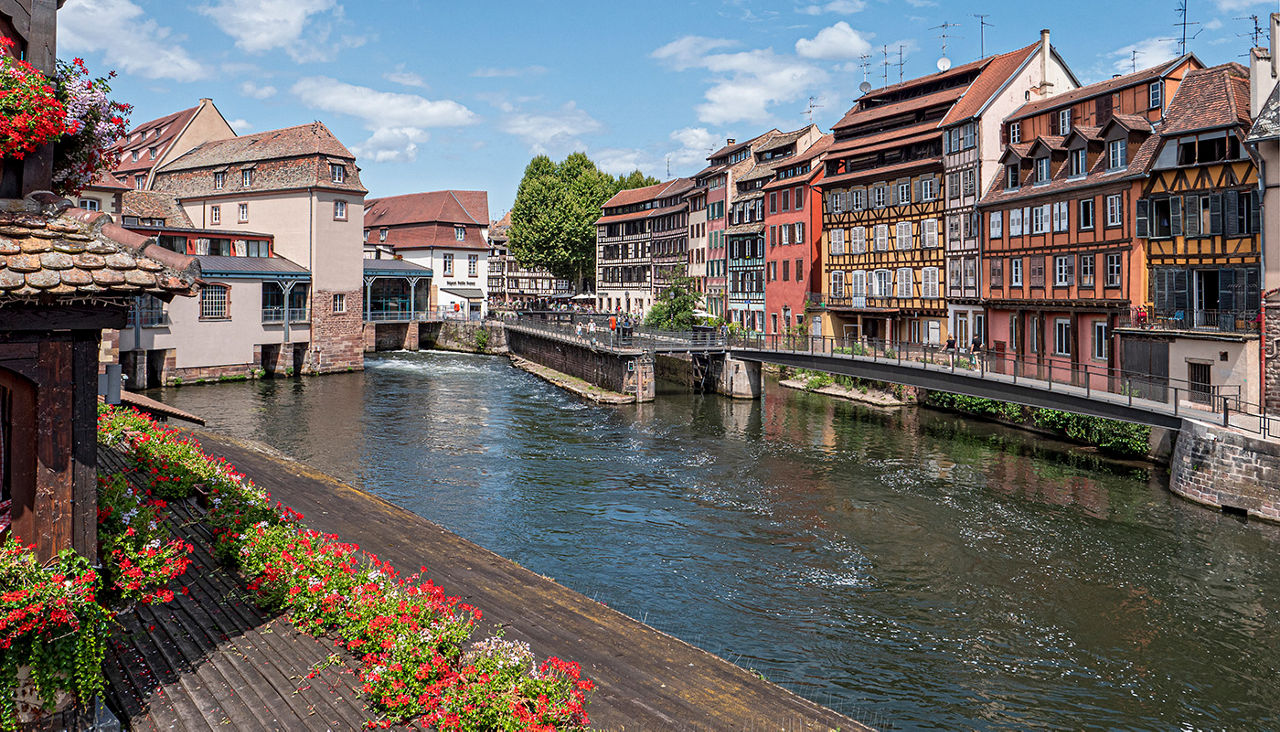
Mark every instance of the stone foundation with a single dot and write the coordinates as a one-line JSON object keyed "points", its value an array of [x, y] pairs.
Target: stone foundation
{"points": [[1271, 349], [337, 339], [452, 335], [391, 337], [628, 374], [1226, 469]]}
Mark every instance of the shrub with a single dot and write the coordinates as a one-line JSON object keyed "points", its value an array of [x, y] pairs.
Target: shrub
{"points": [[481, 340], [138, 555]]}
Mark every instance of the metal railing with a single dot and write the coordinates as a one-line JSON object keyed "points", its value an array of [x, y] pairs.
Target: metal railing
{"points": [[1190, 319], [148, 318], [395, 315], [1225, 404], [299, 315], [272, 315], [575, 327]]}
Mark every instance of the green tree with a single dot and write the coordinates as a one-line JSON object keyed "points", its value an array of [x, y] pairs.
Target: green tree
{"points": [[554, 214], [673, 310]]}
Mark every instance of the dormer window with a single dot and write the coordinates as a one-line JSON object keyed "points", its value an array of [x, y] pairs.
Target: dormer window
{"points": [[152, 152], [337, 173], [219, 181], [1117, 154], [246, 177], [459, 232], [1155, 95], [1064, 122], [1042, 170], [140, 181], [1011, 175], [135, 156], [1015, 132], [382, 234], [1078, 161]]}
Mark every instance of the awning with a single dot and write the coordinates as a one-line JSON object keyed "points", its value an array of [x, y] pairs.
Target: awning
{"points": [[466, 293], [583, 296]]}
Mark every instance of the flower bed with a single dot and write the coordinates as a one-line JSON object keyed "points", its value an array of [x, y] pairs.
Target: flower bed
{"points": [[413, 640]]}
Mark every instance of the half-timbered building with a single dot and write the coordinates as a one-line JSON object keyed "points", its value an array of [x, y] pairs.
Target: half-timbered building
{"points": [[1063, 263], [1199, 215], [634, 222]]}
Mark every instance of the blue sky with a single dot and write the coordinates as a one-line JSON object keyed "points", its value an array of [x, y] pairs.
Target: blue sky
{"points": [[434, 95]]}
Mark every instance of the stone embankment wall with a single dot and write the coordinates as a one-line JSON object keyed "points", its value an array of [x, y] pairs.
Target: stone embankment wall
{"points": [[632, 375], [1226, 469], [461, 336]]}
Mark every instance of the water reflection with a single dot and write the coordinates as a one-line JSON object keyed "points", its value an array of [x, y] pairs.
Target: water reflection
{"points": [[945, 572]]}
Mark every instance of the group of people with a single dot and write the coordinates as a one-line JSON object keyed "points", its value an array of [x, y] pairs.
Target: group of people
{"points": [[618, 326]]}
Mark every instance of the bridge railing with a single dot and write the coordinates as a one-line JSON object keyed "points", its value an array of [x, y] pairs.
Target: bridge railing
{"points": [[621, 335], [1224, 403]]}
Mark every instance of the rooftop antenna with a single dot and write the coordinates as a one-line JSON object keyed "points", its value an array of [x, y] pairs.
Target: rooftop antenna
{"points": [[865, 62], [983, 25], [885, 49], [1181, 10], [1256, 33], [813, 104], [944, 63], [1133, 60], [901, 61], [668, 166]]}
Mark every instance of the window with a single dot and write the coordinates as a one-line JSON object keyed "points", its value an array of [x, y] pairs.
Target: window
{"points": [[786, 201], [139, 180], [213, 302], [1117, 154], [878, 196], [1062, 336], [246, 177], [1015, 222], [1155, 95], [903, 237], [1064, 121], [1078, 162], [382, 234], [88, 204], [882, 237], [968, 136], [340, 210], [459, 232], [1100, 338], [931, 233], [1038, 223], [929, 282], [953, 185], [1013, 333], [1085, 220], [928, 189], [339, 303], [473, 263], [798, 199], [857, 240], [799, 269], [799, 232], [1037, 271], [1042, 170], [215, 214], [837, 242], [1062, 270], [1015, 132], [1011, 175], [904, 192], [243, 210], [447, 261], [967, 183], [837, 284], [997, 273], [857, 199], [1060, 219], [1115, 210], [337, 173], [773, 203], [1113, 270], [785, 234], [906, 283], [219, 181], [1086, 270]]}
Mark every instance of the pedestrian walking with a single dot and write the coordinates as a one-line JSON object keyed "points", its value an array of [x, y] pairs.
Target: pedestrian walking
{"points": [[591, 331], [975, 350], [951, 344], [578, 329]]}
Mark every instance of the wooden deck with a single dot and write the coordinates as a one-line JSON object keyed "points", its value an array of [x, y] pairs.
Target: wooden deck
{"points": [[214, 660]]}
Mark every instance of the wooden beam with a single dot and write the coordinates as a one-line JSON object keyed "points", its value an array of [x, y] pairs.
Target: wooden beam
{"points": [[19, 16], [84, 448], [67, 317], [54, 475]]}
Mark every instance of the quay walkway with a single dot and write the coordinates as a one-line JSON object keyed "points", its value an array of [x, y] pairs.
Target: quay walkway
{"points": [[645, 679]]}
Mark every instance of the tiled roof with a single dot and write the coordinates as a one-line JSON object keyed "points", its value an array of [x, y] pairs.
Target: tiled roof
{"points": [[739, 229], [1019, 149], [642, 214], [1053, 142], [450, 207], [498, 230], [632, 196], [1267, 125], [861, 141], [1139, 162], [308, 139], [1131, 122], [783, 140], [1209, 98], [395, 265], [860, 115], [991, 80], [50, 252], [727, 149], [157, 133], [104, 181], [951, 73], [154, 205], [426, 236], [882, 172], [1108, 86]]}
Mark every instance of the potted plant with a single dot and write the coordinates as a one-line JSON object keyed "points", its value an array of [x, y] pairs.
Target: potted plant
{"points": [[31, 115]]}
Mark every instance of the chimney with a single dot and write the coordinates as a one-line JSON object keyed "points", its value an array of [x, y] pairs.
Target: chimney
{"points": [[206, 101], [730, 141], [1046, 86], [1275, 30]]}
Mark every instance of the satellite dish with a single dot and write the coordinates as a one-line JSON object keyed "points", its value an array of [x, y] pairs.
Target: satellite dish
{"points": [[944, 63], [864, 87]]}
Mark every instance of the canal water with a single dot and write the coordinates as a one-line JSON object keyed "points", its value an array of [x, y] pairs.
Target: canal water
{"points": [[937, 572]]}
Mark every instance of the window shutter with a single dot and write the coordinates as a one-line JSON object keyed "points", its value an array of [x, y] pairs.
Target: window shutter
{"points": [[1055, 217], [893, 195], [1215, 214], [1179, 287], [1252, 292], [1143, 227], [1254, 214], [1231, 213], [1227, 288], [1193, 216], [919, 184], [1175, 215]]}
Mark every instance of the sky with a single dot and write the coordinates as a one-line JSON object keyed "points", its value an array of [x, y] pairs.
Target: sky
{"points": [[433, 95]]}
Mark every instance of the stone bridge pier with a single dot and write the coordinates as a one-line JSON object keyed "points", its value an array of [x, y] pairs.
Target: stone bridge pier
{"points": [[626, 371], [734, 378]]}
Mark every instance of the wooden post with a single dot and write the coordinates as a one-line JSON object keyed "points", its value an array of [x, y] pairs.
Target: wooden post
{"points": [[84, 454], [42, 52]]}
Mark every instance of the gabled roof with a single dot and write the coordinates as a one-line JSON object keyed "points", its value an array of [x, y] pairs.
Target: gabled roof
{"points": [[784, 139], [53, 253], [1051, 143], [104, 181], [158, 133], [859, 115], [290, 142], [1139, 163], [1020, 150], [1267, 125], [1130, 122], [1108, 86], [154, 205], [632, 196], [993, 78], [498, 230], [448, 207], [1086, 133], [1208, 99]]}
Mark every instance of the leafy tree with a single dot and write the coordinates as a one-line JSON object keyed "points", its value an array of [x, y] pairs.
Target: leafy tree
{"points": [[673, 310], [554, 214]]}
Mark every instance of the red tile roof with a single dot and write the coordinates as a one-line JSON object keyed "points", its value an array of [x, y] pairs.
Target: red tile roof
{"points": [[104, 181], [632, 196], [52, 252], [1108, 86], [861, 141], [636, 215], [449, 206], [992, 79], [157, 133], [426, 236], [1209, 98], [881, 172], [154, 205], [861, 115], [290, 142], [1139, 163]]}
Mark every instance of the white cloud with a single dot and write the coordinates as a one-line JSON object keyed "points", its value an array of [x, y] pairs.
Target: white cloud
{"points": [[300, 27], [492, 72], [241, 126], [843, 7], [695, 144], [1143, 54], [1230, 6], [250, 89], [397, 122], [745, 84], [551, 133], [620, 161], [404, 78], [148, 49], [1214, 24], [839, 42]]}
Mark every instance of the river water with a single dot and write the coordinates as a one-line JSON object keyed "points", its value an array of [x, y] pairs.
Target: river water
{"points": [[936, 572]]}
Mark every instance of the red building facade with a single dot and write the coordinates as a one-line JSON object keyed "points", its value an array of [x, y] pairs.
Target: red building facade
{"points": [[793, 222]]}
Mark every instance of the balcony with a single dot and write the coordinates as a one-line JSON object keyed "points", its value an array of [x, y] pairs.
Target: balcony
{"points": [[149, 318], [820, 300], [1243, 322], [272, 316], [299, 315]]}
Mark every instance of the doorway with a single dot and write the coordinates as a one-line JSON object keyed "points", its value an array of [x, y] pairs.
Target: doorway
{"points": [[155, 368], [1199, 377]]}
